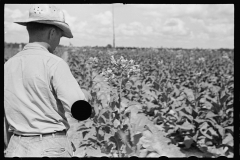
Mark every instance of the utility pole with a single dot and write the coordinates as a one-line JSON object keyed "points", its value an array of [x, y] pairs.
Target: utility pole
{"points": [[113, 27]]}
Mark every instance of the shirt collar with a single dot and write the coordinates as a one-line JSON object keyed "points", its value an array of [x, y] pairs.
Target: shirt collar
{"points": [[34, 46]]}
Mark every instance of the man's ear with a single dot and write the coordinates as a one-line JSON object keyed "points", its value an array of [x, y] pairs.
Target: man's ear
{"points": [[51, 33]]}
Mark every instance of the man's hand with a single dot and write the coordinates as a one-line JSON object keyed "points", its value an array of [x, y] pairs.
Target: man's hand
{"points": [[7, 134]]}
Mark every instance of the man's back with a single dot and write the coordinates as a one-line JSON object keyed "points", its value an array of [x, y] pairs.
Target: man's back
{"points": [[30, 100]]}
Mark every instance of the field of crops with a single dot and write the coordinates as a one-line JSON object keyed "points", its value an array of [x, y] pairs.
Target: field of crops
{"points": [[154, 102]]}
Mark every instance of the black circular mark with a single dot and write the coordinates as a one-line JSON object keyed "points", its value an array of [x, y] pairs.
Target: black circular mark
{"points": [[133, 157], [163, 157], [81, 110], [193, 157]]}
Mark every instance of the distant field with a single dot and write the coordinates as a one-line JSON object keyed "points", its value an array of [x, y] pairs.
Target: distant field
{"points": [[9, 52]]}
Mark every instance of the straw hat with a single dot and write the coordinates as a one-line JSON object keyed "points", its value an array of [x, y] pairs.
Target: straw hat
{"points": [[48, 14]]}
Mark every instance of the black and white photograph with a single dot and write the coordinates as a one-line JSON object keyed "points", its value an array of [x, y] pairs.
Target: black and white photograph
{"points": [[119, 80]]}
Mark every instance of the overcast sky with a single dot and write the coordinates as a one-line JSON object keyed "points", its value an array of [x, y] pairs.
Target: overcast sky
{"points": [[137, 25]]}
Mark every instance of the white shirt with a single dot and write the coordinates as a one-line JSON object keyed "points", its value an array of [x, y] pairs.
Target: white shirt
{"points": [[38, 89]]}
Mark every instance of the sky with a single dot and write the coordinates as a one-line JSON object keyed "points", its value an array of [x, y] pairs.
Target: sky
{"points": [[136, 25]]}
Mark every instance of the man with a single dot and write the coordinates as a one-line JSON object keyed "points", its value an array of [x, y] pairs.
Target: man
{"points": [[39, 89]]}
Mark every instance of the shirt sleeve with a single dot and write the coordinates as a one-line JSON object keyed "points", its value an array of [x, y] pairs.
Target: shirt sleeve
{"points": [[66, 87]]}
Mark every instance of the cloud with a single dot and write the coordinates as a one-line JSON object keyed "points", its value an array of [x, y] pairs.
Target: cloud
{"points": [[170, 27], [206, 12], [10, 26], [124, 29], [172, 10], [191, 35], [203, 36], [75, 26], [134, 29], [104, 18], [172, 22], [153, 13], [13, 14], [70, 20], [220, 11], [223, 29], [95, 27], [214, 28], [80, 27]]}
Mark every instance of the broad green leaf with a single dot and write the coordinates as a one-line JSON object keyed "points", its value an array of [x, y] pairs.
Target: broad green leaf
{"points": [[207, 105], [189, 93], [172, 112], [210, 114], [126, 120], [209, 143], [188, 141], [202, 100], [229, 128], [160, 127], [219, 151], [107, 136], [102, 112], [80, 152], [100, 132], [176, 104], [151, 105], [213, 132], [224, 98], [136, 138], [96, 109], [186, 126], [204, 129], [124, 102], [116, 123], [180, 98], [212, 121], [195, 137], [153, 154], [146, 143], [147, 133], [128, 150], [90, 134], [189, 109], [177, 92], [88, 124], [228, 140], [220, 130], [182, 114], [102, 120], [91, 152], [230, 155], [143, 153], [170, 131]]}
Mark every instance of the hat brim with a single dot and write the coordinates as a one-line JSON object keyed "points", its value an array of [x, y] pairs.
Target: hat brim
{"points": [[63, 26]]}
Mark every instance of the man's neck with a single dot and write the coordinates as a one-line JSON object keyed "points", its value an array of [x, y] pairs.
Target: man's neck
{"points": [[44, 44]]}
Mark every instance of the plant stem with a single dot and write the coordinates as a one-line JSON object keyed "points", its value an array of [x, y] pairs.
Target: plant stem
{"points": [[120, 96]]}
